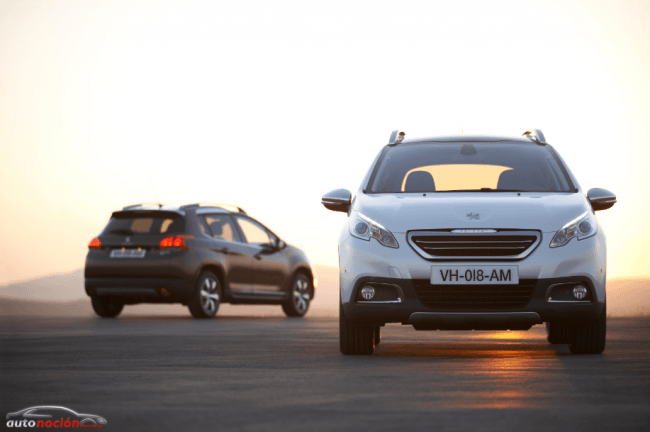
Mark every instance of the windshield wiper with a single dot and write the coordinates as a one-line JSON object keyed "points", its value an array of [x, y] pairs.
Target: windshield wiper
{"points": [[501, 190], [126, 232], [485, 190]]}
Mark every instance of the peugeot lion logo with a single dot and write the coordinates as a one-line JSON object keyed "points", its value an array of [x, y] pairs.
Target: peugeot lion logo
{"points": [[128, 240], [473, 216]]}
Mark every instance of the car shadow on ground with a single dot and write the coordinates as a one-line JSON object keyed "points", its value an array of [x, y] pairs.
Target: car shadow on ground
{"points": [[190, 318], [467, 350]]}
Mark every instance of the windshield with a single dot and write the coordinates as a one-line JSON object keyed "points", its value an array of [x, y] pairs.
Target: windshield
{"points": [[469, 166]]}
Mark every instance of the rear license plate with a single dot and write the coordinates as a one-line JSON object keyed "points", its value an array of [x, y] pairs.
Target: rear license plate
{"points": [[474, 275], [128, 253]]}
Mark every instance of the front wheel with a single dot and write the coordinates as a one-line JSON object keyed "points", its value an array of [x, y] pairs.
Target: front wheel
{"points": [[299, 298], [207, 296], [557, 332], [589, 337], [105, 307], [355, 340]]}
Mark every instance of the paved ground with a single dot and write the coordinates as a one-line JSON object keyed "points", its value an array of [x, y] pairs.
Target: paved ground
{"points": [[271, 373]]}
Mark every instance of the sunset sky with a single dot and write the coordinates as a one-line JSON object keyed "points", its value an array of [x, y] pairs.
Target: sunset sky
{"points": [[268, 105]]}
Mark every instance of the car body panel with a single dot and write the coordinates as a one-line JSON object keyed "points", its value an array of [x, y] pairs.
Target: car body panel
{"points": [[584, 258], [403, 212]]}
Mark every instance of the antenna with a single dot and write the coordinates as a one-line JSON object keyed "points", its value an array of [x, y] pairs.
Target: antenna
{"points": [[155, 193], [462, 124]]}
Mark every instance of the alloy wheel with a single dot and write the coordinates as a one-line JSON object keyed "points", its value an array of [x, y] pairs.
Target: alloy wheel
{"points": [[301, 295], [210, 295]]}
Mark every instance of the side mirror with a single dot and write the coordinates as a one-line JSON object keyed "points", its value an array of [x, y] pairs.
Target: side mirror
{"points": [[601, 199], [337, 200], [268, 248], [281, 244]]}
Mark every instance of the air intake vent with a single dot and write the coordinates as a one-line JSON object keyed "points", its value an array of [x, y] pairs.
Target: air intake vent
{"points": [[474, 297], [499, 245]]}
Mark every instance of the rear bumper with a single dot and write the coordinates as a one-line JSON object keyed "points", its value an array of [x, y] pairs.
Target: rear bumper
{"points": [[140, 290], [409, 310]]}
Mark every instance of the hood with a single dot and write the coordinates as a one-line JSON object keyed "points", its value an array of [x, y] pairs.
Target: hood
{"points": [[399, 213]]}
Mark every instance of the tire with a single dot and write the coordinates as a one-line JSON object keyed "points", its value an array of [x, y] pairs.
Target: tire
{"points": [[298, 303], [377, 335], [105, 307], [557, 332], [355, 340], [589, 337], [207, 296]]}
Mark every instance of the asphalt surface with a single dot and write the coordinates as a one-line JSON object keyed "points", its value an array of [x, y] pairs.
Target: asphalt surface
{"points": [[173, 373]]}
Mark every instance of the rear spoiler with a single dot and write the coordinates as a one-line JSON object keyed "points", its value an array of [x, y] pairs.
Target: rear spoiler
{"points": [[148, 213]]}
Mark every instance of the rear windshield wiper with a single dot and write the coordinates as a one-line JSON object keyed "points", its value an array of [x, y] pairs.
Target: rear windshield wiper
{"points": [[126, 232]]}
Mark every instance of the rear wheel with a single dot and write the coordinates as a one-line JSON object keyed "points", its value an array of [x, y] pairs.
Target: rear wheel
{"points": [[557, 332], [377, 335], [589, 337], [105, 307], [298, 302], [355, 340], [207, 296]]}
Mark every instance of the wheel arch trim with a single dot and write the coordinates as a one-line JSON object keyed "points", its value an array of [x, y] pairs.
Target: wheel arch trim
{"points": [[306, 270], [214, 268]]}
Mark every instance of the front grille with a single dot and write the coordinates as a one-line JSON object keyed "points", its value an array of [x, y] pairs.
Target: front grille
{"points": [[497, 245], [468, 297]]}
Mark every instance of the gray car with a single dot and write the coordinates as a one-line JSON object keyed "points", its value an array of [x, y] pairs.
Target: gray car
{"points": [[199, 255]]}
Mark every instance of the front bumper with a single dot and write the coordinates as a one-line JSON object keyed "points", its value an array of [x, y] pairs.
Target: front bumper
{"points": [[410, 310]]}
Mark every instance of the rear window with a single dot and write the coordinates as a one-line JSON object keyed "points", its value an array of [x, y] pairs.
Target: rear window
{"points": [[145, 224], [469, 166]]}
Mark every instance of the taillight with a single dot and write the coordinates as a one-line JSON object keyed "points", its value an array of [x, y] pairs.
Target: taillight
{"points": [[95, 244], [172, 241]]}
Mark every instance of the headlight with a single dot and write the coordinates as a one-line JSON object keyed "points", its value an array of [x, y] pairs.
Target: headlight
{"points": [[582, 227], [365, 228]]}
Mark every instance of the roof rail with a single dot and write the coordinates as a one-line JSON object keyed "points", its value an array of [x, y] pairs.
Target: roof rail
{"points": [[535, 135], [143, 206], [396, 137], [219, 205]]}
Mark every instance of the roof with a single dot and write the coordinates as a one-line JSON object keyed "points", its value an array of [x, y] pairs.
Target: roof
{"points": [[469, 138], [199, 207]]}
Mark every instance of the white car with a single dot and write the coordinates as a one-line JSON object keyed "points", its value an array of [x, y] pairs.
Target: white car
{"points": [[472, 233]]}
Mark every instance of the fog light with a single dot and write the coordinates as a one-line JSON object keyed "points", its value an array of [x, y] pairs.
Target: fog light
{"points": [[367, 292], [579, 292]]}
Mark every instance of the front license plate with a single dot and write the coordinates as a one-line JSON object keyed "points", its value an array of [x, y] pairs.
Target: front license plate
{"points": [[474, 275], [128, 253]]}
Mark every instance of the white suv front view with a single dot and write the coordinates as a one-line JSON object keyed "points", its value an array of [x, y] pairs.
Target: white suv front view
{"points": [[472, 233]]}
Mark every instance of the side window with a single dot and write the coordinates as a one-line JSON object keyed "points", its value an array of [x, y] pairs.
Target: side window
{"points": [[203, 225], [254, 232], [221, 227]]}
